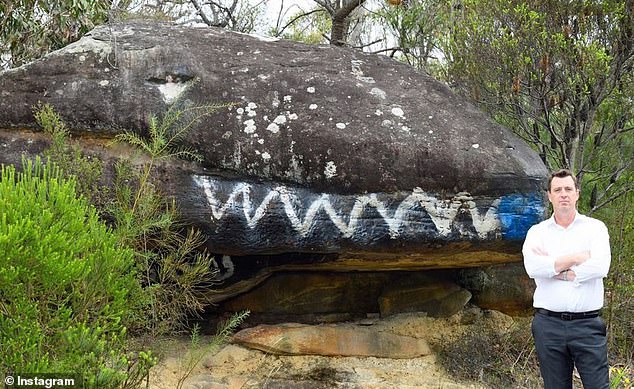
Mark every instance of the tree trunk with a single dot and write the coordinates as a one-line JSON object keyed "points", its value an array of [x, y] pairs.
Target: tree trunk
{"points": [[340, 22]]}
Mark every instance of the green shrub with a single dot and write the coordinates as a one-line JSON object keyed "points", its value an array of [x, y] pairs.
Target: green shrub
{"points": [[65, 283], [69, 158], [172, 271], [175, 273]]}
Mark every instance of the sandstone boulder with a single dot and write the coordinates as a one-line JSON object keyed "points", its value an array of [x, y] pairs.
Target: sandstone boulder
{"points": [[327, 158], [331, 340]]}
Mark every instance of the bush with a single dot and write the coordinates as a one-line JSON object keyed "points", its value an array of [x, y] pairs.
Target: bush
{"points": [[499, 359], [65, 284], [172, 271]]}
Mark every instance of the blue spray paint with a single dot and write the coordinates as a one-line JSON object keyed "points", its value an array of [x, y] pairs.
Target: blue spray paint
{"points": [[518, 212]]}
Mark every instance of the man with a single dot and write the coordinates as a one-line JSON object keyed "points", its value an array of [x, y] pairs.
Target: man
{"points": [[568, 256]]}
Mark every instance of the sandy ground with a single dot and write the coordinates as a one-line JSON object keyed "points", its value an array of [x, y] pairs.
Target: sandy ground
{"points": [[234, 366]]}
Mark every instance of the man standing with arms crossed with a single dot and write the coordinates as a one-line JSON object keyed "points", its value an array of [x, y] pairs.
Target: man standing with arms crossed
{"points": [[568, 256]]}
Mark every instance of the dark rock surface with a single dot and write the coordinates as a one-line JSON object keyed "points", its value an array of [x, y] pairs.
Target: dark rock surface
{"points": [[505, 288], [313, 297]]}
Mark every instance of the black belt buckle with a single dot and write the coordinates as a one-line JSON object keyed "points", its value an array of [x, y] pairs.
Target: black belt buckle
{"points": [[568, 316]]}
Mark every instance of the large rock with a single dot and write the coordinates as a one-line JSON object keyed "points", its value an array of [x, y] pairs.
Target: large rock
{"points": [[347, 160], [331, 340], [505, 288]]}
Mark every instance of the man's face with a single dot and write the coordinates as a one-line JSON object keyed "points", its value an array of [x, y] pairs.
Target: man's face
{"points": [[563, 194]]}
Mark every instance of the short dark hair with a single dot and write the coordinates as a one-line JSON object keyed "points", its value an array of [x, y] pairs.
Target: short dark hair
{"points": [[562, 173]]}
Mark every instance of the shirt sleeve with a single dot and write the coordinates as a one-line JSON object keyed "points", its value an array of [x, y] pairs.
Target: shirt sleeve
{"points": [[537, 266], [598, 264]]}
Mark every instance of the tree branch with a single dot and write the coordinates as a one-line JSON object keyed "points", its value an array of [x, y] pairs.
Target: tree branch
{"points": [[303, 15], [199, 10], [612, 198]]}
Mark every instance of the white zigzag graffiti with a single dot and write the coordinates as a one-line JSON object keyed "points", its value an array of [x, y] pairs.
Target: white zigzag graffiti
{"points": [[441, 212]]}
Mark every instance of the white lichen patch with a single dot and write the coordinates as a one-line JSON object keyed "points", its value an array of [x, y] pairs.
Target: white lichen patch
{"points": [[226, 135], [310, 89], [275, 102], [261, 141], [397, 111], [380, 93], [312, 106], [82, 58], [263, 77], [250, 109], [104, 83], [431, 131], [279, 119], [405, 128], [273, 127], [249, 126], [292, 116], [331, 169], [288, 98], [430, 117], [340, 125], [266, 156], [378, 112], [358, 73], [475, 146], [387, 123]]}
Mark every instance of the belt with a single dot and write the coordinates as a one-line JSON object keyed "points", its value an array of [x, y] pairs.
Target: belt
{"points": [[569, 315]]}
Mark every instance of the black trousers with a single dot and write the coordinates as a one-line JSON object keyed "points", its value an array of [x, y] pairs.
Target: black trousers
{"points": [[563, 344]]}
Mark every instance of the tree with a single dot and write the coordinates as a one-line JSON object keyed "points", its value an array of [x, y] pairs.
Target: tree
{"points": [[234, 15], [339, 11], [32, 28], [416, 26], [560, 75], [305, 26]]}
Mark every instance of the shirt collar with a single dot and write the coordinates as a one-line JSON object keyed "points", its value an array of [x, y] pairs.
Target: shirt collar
{"points": [[577, 219]]}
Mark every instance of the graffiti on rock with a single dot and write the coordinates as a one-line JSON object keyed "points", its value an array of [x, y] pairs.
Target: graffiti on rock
{"points": [[415, 213]]}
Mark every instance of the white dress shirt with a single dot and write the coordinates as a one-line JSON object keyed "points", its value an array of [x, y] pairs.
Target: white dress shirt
{"points": [[583, 294]]}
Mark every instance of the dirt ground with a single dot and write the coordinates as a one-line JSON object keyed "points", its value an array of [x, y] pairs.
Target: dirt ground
{"points": [[234, 366]]}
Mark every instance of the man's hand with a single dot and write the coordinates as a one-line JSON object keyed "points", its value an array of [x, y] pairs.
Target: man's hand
{"points": [[566, 275]]}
